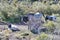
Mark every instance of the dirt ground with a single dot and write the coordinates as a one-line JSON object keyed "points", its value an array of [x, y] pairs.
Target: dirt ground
{"points": [[6, 34]]}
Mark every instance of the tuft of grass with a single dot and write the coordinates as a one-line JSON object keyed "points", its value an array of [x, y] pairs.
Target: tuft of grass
{"points": [[42, 36]]}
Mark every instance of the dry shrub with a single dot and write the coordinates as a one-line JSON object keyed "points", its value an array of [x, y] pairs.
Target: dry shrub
{"points": [[42, 36], [50, 26]]}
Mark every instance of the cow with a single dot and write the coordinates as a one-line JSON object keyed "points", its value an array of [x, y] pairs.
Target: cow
{"points": [[51, 18], [13, 28]]}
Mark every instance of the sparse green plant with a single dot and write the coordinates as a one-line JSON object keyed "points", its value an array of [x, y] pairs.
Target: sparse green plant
{"points": [[50, 26], [42, 36]]}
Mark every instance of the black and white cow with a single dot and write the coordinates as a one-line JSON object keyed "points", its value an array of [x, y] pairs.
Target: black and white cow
{"points": [[13, 28], [51, 18]]}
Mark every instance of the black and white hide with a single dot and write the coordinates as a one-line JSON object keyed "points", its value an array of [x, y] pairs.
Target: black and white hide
{"points": [[25, 19], [13, 28], [51, 18]]}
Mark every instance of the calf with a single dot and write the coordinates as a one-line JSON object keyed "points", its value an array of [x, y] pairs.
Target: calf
{"points": [[51, 18], [13, 28]]}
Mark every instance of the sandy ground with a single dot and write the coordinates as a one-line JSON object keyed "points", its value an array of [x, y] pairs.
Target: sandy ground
{"points": [[6, 34]]}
